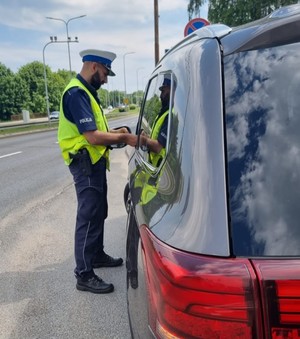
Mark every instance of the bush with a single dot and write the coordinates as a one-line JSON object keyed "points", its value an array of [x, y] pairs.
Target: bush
{"points": [[131, 107]]}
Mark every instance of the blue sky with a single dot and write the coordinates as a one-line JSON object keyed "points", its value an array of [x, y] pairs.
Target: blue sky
{"points": [[120, 26]]}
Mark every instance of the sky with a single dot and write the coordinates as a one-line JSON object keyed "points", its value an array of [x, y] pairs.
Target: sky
{"points": [[119, 26]]}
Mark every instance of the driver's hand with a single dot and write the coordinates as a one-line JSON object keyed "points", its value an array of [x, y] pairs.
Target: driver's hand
{"points": [[131, 140]]}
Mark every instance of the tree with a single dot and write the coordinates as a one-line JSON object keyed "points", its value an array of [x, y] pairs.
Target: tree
{"points": [[21, 94], [238, 12], [6, 93], [194, 8], [103, 96], [56, 85], [66, 75], [13, 94], [33, 75], [25, 90]]}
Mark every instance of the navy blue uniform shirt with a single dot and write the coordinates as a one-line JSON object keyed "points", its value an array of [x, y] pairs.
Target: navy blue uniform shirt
{"points": [[162, 136]]}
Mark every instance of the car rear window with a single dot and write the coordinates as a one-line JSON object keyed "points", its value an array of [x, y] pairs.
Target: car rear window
{"points": [[262, 105]]}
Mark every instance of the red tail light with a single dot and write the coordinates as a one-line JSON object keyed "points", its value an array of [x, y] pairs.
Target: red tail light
{"points": [[192, 296], [280, 286]]}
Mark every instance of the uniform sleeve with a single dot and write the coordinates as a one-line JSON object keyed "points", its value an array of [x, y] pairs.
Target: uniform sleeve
{"points": [[163, 133], [77, 109]]}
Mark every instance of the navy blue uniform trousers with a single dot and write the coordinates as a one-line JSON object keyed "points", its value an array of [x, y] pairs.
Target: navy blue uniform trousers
{"points": [[92, 208]]}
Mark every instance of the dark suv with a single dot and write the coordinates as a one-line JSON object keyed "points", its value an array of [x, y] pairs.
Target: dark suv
{"points": [[213, 231]]}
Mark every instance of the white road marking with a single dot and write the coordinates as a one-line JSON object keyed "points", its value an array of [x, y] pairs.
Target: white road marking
{"points": [[9, 155]]}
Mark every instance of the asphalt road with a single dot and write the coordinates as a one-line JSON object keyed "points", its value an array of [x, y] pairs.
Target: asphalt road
{"points": [[38, 298]]}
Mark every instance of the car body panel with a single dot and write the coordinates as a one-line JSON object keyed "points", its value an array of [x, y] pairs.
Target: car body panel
{"points": [[177, 199], [216, 248]]}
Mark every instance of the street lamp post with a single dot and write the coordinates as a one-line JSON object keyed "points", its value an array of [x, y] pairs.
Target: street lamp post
{"points": [[137, 82], [125, 72], [53, 41], [156, 32], [67, 30]]}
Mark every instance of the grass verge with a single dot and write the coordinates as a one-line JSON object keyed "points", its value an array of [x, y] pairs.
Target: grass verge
{"points": [[29, 128]]}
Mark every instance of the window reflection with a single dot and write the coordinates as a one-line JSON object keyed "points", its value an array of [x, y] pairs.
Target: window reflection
{"points": [[156, 179], [155, 119], [263, 123]]}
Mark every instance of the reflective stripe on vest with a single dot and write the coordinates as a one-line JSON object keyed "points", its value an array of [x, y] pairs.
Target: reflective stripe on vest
{"points": [[69, 138]]}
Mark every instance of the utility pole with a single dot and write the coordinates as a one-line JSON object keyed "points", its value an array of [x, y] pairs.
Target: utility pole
{"points": [[156, 37]]}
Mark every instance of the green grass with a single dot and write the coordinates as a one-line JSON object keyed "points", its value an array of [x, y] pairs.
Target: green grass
{"points": [[54, 124], [116, 114], [29, 128]]}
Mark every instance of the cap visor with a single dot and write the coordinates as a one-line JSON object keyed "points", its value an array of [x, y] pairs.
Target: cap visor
{"points": [[110, 72]]}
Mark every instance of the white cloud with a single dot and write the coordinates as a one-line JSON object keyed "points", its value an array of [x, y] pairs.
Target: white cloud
{"points": [[267, 197], [120, 26]]}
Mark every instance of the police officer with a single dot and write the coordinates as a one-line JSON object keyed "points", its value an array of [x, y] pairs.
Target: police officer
{"points": [[84, 137], [156, 143]]}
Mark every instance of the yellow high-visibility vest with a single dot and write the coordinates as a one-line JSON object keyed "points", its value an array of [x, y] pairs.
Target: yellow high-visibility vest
{"points": [[156, 157], [69, 138]]}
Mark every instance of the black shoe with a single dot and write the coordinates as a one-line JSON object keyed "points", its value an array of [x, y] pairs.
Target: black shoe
{"points": [[107, 261], [133, 279], [94, 285]]}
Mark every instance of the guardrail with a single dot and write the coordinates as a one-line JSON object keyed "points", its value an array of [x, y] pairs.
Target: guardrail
{"points": [[6, 126], [12, 129], [44, 123]]}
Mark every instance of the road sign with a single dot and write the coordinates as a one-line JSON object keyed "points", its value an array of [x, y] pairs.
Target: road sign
{"points": [[195, 24]]}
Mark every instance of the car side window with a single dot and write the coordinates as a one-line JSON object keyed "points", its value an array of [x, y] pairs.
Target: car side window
{"points": [[263, 146], [155, 118]]}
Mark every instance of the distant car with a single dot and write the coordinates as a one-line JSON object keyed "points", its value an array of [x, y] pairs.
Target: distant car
{"points": [[54, 115], [213, 235], [109, 107]]}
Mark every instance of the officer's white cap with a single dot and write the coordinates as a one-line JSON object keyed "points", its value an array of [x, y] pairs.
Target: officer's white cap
{"points": [[104, 58], [166, 81]]}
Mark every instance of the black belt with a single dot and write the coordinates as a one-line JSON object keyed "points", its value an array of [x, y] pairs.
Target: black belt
{"points": [[81, 153], [82, 158]]}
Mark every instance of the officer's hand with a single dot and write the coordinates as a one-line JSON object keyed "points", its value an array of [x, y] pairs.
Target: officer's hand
{"points": [[131, 139]]}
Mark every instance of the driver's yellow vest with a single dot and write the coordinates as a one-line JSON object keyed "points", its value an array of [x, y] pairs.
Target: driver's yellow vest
{"points": [[69, 138], [149, 190], [155, 158]]}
